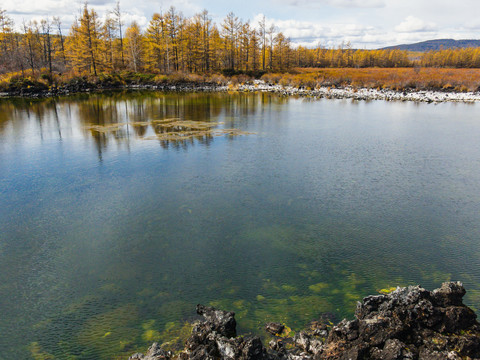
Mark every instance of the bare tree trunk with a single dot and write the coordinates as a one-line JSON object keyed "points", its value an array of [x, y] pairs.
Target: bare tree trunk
{"points": [[118, 15]]}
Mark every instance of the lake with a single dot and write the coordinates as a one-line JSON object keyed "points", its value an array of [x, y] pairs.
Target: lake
{"points": [[121, 211]]}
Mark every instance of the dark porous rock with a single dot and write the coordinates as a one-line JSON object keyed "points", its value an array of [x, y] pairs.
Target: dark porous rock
{"points": [[308, 342], [136, 356], [393, 349], [252, 348], [427, 354], [408, 323], [215, 338], [277, 345], [154, 352], [274, 328], [219, 321], [449, 294], [319, 328]]}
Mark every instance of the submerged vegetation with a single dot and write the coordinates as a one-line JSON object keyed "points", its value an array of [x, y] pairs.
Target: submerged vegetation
{"points": [[409, 323], [171, 129], [138, 243]]}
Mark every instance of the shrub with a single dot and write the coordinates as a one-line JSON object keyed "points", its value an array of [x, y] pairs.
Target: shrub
{"points": [[133, 78], [194, 78], [110, 80], [160, 79], [25, 85], [218, 79], [271, 78], [239, 79], [78, 83]]}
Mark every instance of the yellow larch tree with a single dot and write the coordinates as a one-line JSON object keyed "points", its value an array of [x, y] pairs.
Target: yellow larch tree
{"points": [[84, 45]]}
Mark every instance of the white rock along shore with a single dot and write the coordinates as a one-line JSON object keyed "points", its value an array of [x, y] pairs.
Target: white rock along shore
{"points": [[426, 96], [359, 94]]}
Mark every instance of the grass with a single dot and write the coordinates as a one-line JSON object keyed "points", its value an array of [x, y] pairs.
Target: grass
{"points": [[42, 80], [400, 79]]}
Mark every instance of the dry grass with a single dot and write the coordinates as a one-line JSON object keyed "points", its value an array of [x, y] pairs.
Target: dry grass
{"points": [[425, 78], [382, 78]]}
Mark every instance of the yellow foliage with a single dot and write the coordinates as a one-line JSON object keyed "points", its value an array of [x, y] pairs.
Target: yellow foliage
{"points": [[194, 49]]}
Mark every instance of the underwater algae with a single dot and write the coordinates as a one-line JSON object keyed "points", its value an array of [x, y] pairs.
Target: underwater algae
{"points": [[112, 332], [305, 249]]}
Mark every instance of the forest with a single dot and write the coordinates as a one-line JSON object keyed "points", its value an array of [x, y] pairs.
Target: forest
{"points": [[172, 43]]}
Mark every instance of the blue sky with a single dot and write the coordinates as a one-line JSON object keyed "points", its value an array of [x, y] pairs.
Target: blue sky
{"points": [[364, 23]]}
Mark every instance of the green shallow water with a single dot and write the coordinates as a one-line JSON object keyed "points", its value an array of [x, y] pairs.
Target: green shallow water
{"points": [[108, 240]]}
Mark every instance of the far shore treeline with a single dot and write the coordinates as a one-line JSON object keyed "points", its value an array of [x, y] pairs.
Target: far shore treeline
{"points": [[174, 44]]}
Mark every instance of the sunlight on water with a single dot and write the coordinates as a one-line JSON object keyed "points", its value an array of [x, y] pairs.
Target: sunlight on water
{"points": [[109, 241]]}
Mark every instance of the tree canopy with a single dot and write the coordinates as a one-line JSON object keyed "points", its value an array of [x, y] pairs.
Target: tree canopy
{"points": [[172, 42]]}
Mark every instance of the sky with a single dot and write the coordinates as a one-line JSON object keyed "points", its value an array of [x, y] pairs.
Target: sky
{"points": [[366, 24]]}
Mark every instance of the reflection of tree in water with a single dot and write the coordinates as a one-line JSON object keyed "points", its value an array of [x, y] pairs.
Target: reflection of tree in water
{"points": [[140, 130], [21, 114], [135, 117], [201, 107], [184, 144], [7, 114], [120, 117], [100, 111]]}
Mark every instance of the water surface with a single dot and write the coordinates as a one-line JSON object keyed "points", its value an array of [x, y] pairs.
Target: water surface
{"points": [[110, 238]]}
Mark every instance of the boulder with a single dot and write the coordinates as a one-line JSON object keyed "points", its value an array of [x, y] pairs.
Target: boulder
{"points": [[408, 323]]}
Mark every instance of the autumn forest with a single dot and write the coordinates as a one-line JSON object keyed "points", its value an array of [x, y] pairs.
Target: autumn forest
{"points": [[173, 43]]}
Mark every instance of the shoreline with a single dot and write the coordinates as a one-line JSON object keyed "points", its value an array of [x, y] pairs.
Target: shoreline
{"points": [[323, 92], [365, 94], [407, 323]]}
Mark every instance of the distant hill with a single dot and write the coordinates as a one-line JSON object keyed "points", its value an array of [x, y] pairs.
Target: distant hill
{"points": [[436, 45]]}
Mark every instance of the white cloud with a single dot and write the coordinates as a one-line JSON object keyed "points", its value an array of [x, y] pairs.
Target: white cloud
{"points": [[357, 3], [67, 10], [365, 23], [413, 24], [311, 33], [337, 3], [307, 33], [39, 7], [472, 25]]}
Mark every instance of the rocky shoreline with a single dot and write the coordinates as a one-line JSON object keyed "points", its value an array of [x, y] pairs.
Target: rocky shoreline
{"points": [[430, 96], [408, 323], [427, 96]]}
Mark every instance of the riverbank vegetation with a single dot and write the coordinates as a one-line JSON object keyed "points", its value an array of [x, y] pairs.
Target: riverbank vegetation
{"points": [[172, 48], [400, 79]]}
